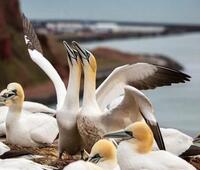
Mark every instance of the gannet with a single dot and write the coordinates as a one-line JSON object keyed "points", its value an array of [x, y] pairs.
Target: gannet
{"points": [[104, 154], [29, 107], [69, 137], [30, 130], [21, 164], [135, 152], [93, 122], [67, 100]]}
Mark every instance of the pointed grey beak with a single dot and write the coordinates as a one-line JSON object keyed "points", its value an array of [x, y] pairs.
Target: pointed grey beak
{"points": [[122, 134], [6, 95], [70, 52], [83, 53]]}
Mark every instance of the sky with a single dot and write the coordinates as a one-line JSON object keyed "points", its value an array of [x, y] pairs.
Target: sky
{"points": [[171, 11]]}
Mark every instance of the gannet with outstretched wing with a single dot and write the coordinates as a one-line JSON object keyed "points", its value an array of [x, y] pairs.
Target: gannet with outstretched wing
{"points": [[30, 130], [93, 122], [67, 101], [135, 151]]}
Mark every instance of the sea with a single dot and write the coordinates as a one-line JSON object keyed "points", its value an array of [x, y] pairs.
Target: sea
{"points": [[176, 106]]}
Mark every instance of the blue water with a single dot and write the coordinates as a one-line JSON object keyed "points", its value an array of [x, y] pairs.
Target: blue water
{"points": [[177, 106]]}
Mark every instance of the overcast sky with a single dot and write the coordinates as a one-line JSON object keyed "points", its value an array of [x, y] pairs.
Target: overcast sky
{"points": [[182, 11]]}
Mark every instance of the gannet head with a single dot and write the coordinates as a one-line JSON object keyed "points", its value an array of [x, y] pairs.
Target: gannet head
{"points": [[103, 150], [138, 133], [73, 59], [14, 94], [87, 58]]}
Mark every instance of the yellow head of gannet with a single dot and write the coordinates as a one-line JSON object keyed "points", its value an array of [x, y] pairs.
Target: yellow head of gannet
{"points": [[103, 150], [14, 94], [138, 133]]}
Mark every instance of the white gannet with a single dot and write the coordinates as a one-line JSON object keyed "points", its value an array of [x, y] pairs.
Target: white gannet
{"points": [[69, 137], [21, 164], [135, 152], [93, 122], [104, 154], [67, 100], [30, 130]]}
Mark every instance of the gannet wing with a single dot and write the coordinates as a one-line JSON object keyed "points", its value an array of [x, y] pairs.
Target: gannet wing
{"points": [[3, 148], [142, 76], [35, 52], [44, 128], [133, 107], [35, 107]]}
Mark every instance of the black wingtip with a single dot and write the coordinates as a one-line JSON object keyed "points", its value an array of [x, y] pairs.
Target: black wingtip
{"points": [[191, 151], [156, 133], [13, 154]]}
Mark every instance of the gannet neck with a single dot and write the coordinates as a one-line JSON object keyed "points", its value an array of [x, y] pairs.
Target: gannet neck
{"points": [[89, 97], [72, 96], [14, 113]]}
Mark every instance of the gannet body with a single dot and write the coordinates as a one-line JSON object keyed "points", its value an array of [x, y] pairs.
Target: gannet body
{"points": [[135, 152], [3, 148], [69, 137], [81, 165], [93, 122], [29, 130], [29, 107], [21, 164], [67, 101]]}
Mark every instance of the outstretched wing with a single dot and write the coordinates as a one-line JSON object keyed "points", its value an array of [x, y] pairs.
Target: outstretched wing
{"points": [[133, 107], [142, 76], [36, 55]]}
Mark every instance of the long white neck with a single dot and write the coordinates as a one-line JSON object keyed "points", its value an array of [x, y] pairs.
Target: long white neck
{"points": [[46, 66], [89, 97], [71, 101], [14, 113]]}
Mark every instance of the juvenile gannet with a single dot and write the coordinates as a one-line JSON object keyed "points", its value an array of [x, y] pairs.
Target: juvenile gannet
{"points": [[22, 164], [93, 122], [69, 137], [135, 152], [30, 130], [104, 154]]}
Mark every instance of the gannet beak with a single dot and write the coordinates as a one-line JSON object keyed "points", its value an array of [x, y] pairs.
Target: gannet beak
{"points": [[6, 95], [122, 134], [83, 53], [70, 52], [94, 159]]}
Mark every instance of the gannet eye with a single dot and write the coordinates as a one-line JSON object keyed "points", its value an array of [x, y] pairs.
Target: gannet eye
{"points": [[95, 159]]}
